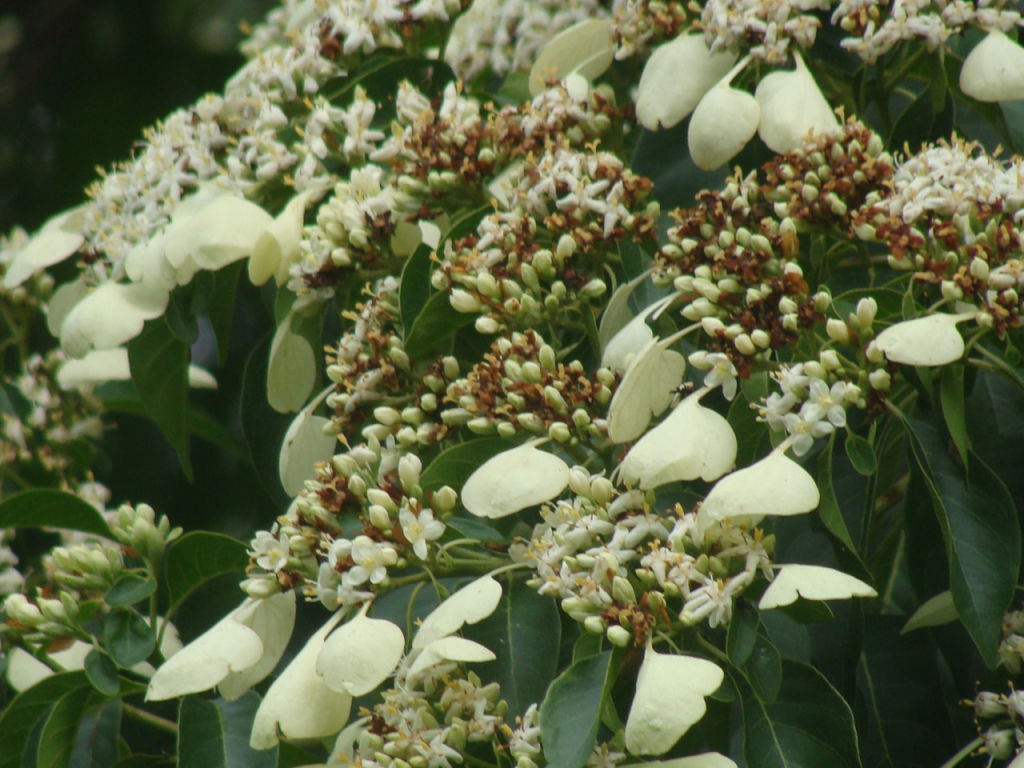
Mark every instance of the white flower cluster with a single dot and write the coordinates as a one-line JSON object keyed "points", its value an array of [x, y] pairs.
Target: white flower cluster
{"points": [[11, 579], [731, 24]]}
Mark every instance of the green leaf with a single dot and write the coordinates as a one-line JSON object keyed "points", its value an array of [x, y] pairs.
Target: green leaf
{"points": [[933, 612], [102, 672], [98, 739], [57, 740], [951, 395], [524, 632], [454, 465], [571, 711], [128, 590], [21, 715], [380, 76], [742, 634], [128, 638], [829, 510], [159, 364], [414, 290], [808, 724], [263, 427], [920, 124], [215, 734], [199, 424], [55, 509], [901, 718], [764, 668], [197, 557], [979, 524], [221, 306], [861, 454], [434, 326]]}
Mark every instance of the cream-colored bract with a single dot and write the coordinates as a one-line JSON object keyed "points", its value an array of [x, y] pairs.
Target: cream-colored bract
{"points": [[360, 655], [304, 444], [811, 582], [244, 646], [585, 48], [994, 69], [109, 316], [792, 106], [469, 605], [646, 390], [447, 649], [223, 230], [705, 760], [291, 372], [722, 124], [102, 365], [514, 480], [276, 249], [675, 79], [299, 704], [56, 240], [692, 442], [926, 341], [669, 699]]}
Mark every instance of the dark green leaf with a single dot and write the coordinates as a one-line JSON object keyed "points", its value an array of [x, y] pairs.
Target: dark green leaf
{"points": [[57, 740], [829, 511], [145, 761], [951, 395], [454, 465], [764, 668], [739, 642], [919, 123], [197, 557], [808, 725], [221, 306], [128, 638], [434, 327], [181, 317], [474, 528], [749, 431], [380, 77], [128, 590], [54, 509], [97, 740], [414, 290], [571, 712], [159, 364], [524, 632], [215, 734], [199, 424], [102, 672], [979, 524], [21, 715], [861, 454], [263, 427]]}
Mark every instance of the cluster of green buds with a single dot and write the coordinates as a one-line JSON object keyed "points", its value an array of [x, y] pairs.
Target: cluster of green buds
{"points": [[90, 567], [138, 529], [46, 616]]}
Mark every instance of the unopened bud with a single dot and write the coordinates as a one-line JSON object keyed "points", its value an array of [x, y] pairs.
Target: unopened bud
{"points": [[619, 636], [837, 331]]}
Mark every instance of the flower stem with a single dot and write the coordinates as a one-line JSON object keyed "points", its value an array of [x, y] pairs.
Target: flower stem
{"points": [[154, 721]]}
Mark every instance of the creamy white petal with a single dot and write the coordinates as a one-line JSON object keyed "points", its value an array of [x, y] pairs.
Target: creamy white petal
{"points": [[24, 670], [109, 316], [514, 480], [693, 441], [792, 105], [724, 121], [585, 48], [469, 605], [147, 263], [994, 69], [360, 655], [58, 238], [676, 77], [278, 246], [63, 301], [669, 699], [304, 445], [224, 231], [273, 619], [811, 582], [102, 365], [291, 373], [646, 389], [299, 704], [926, 341]]}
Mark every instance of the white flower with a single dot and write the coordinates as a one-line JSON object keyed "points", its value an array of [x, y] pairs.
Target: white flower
{"points": [[676, 77], [804, 432], [669, 698], [519, 478], [58, 238], [722, 124], [360, 655], [371, 561], [994, 69], [109, 316], [271, 552], [691, 442], [792, 106], [420, 529], [446, 649], [720, 373], [299, 704], [811, 582], [823, 403], [234, 654], [927, 341], [646, 389]]}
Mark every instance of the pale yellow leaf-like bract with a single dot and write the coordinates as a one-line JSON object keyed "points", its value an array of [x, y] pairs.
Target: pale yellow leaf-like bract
{"points": [[722, 124], [109, 316], [811, 582], [469, 605], [585, 48], [646, 389], [360, 655], [792, 106], [934, 612], [994, 69], [291, 373], [514, 480], [926, 341]]}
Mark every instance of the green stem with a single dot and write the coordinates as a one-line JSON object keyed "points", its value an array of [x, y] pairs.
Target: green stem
{"points": [[897, 559], [401, 581], [955, 759], [713, 649], [154, 721]]}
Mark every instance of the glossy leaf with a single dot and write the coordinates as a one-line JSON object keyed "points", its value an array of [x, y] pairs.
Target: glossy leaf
{"points": [[571, 711], [159, 364], [861, 454], [454, 465], [414, 290], [951, 395], [21, 715], [263, 427], [102, 672], [434, 326], [829, 510], [57, 740], [742, 634], [808, 724], [54, 509], [128, 590], [97, 741], [197, 557], [763, 668], [215, 734], [221, 305], [128, 638]]}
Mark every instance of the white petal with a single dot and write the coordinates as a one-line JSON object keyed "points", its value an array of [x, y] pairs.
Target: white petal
{"points": [[345, 745], [299, 705], [24, 670], [471, 604], [724, 121], [585, 48], [774, 486], [811, 582], [514, 480], [792, 105], [994, 69], [304, 445], [621, 334], [224, 231], [109, 316], [102, 365], [927, 341], [291, 373], [669, 698], [706, 760], [63, 301], [360, 655], [456, 649], [147, 263], [646, 389], [693, 441], [676, 77], [278, 246], [58, 238], [200, 378], [273, 619], [933, 612]]}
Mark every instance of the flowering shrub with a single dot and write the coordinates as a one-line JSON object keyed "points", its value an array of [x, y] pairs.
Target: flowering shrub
{"points": [[674, 418]]}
